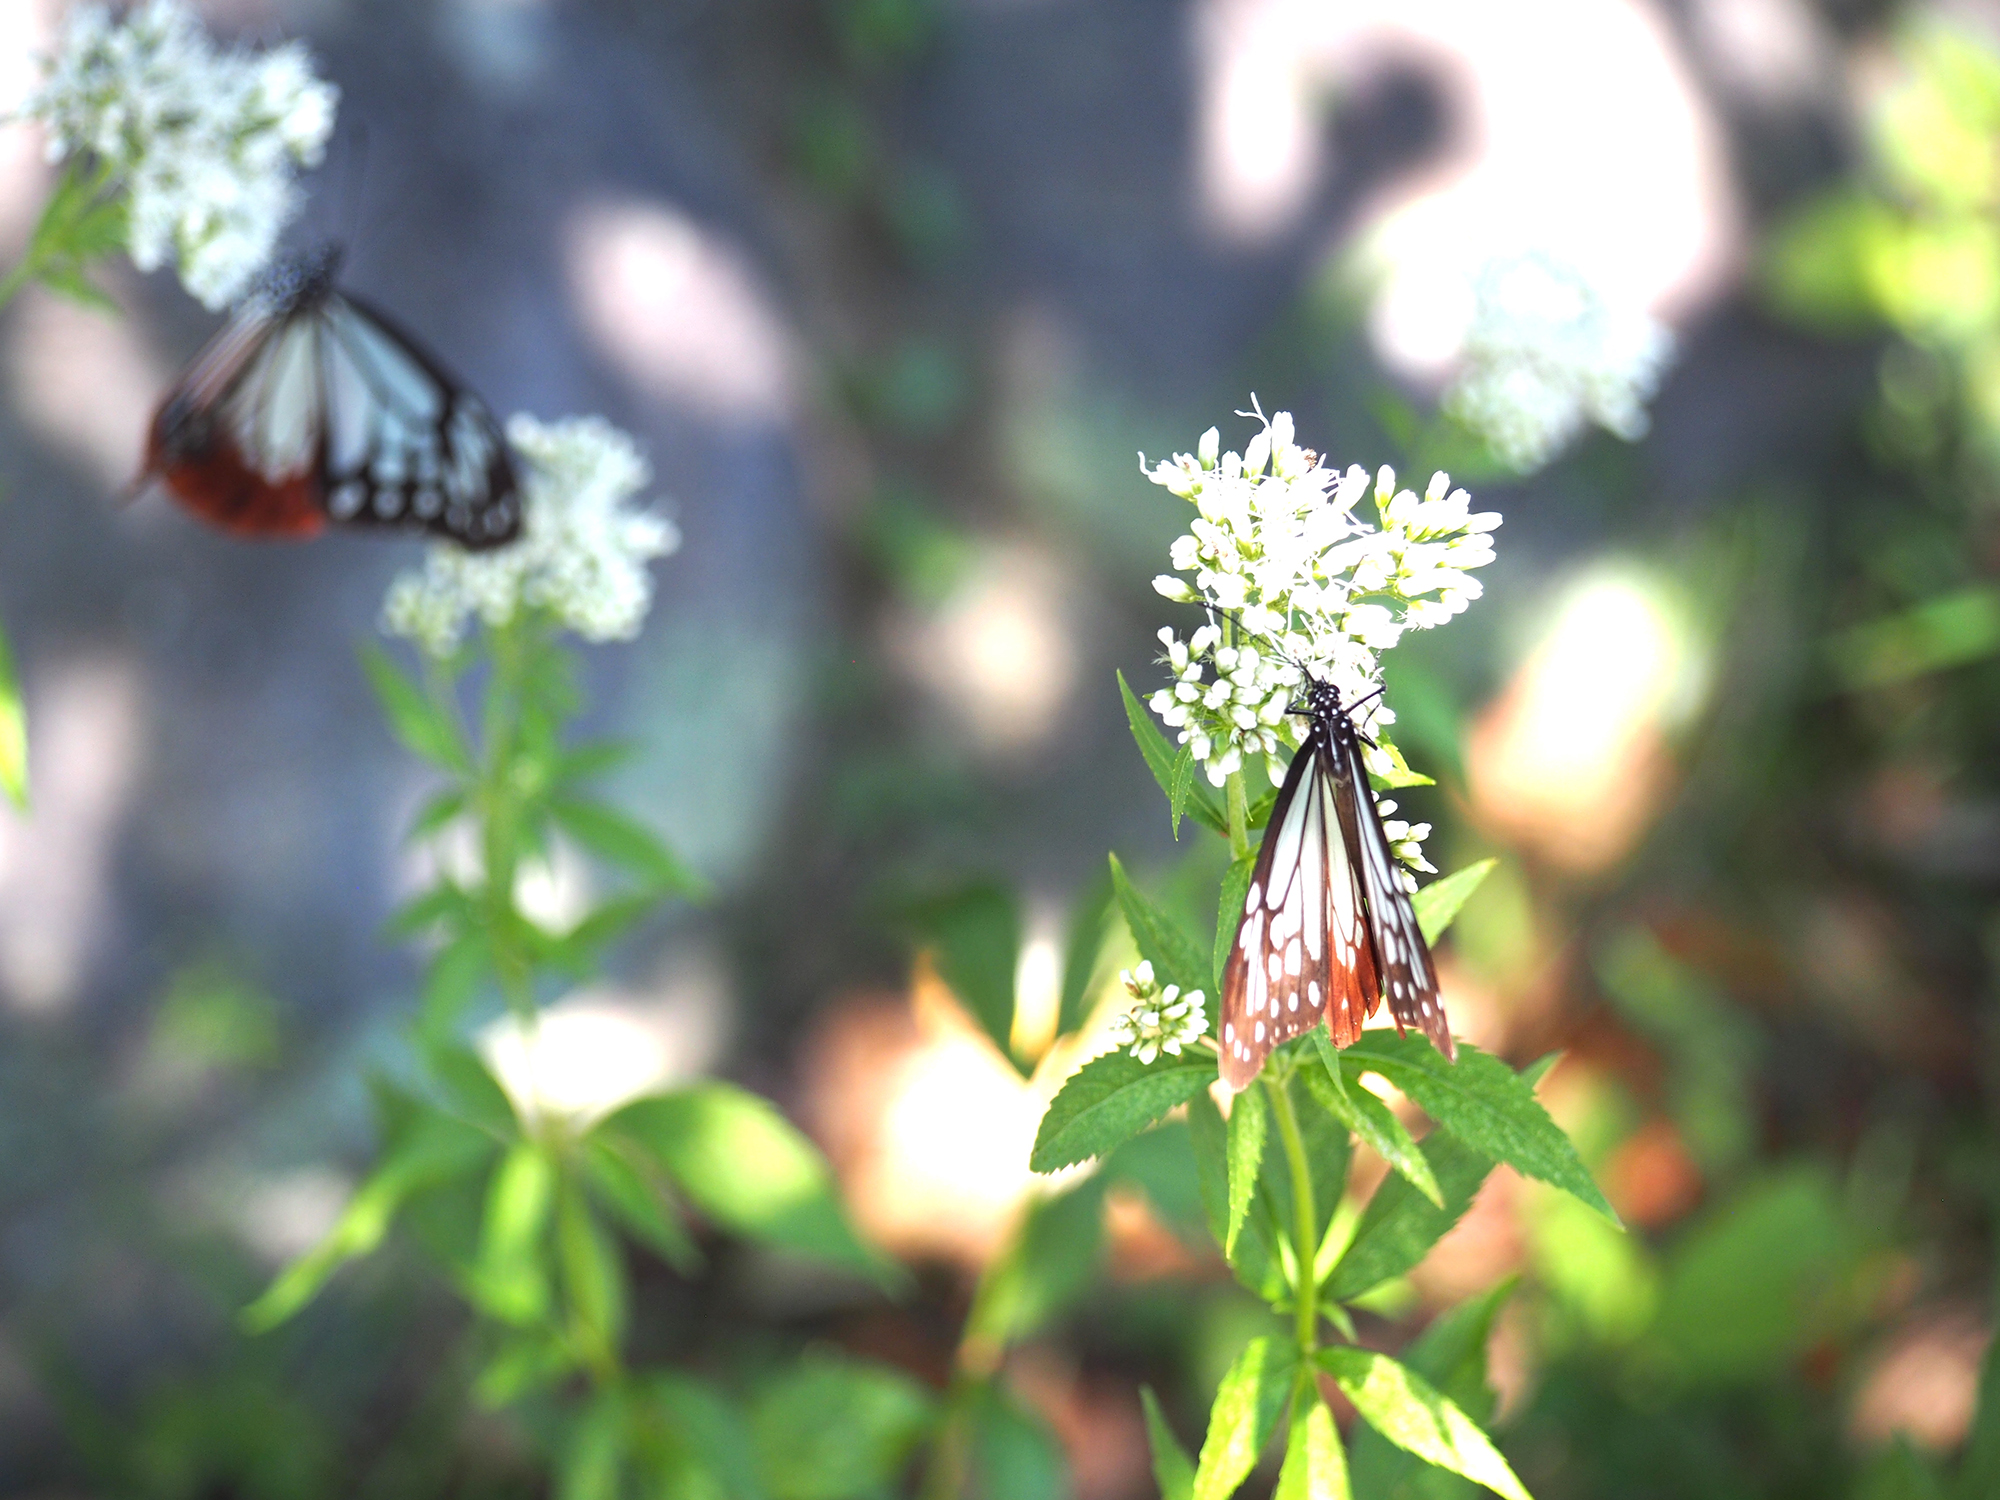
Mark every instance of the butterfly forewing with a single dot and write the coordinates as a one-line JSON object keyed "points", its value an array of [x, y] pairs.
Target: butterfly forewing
{"points": [[1300, 951]]}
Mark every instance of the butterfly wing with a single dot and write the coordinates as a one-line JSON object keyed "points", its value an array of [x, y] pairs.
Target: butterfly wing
{"points": [[406, 443], [318, 407], [236, 439], [1300, 951], [1402, 957]]}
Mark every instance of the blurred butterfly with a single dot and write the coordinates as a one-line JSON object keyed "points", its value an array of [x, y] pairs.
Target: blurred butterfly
{"points": [[311, 406], [1327, 927]]}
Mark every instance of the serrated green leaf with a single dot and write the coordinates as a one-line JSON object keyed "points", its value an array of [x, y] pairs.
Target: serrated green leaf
{"points": [[1249, 1126], [413, 718], [1400, 1224], [1112, 1098], [1229, 911], [1201, 800], [627, 843], [750, 1170], [1176, 957], [429, 1148], [1409, 1412], [13, 731], [1255, 1266], [1247, 1407], [1181, 786], [1399, 774], [1173, 1470], [1438, 903], [1315, 1462], [1484, 1103], [1368, 1117]]}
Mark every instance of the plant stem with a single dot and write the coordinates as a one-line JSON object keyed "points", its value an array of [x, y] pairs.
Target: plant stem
{"points": [[1239, 817], [500, 845], [1304, 1219]]}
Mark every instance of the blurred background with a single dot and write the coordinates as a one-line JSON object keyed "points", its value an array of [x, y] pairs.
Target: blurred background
{"points": [[893, 292]]}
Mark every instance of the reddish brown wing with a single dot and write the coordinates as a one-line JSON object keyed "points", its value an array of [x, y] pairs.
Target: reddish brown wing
{"points": [[1300, 951], [1402, 957], [200, 442]]}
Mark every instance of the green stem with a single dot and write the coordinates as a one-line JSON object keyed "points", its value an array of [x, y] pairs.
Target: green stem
{"points": [[499, 816], [1304, 1219], [1239, 817]]}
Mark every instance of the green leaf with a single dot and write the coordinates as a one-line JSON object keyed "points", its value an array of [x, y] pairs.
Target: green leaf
{"points": [[1200, 799], [1083, 949], [1484, 1103], [1451, 1355], [1013, 1452], [13, 730], [1979, 1473], [1438, 903], [414, 718], [1112, 1098], [1400, 1224], [1229, 912], [1247, 1407], [593, 1274], [452, 982], [1249, 1125], [592, 1466], [1175, 957], [623, 1177], [431, 1149], [1947, 631], [1181, 785], [1372, 1121], [582, 762], [1315, 1463], [749, 1169], [627, 843], [1173, 1470], [469, 1089], [834, 1428], [1254, 1264], [509, 1282], [689, 1442], [974, 937], [1399, 774], [436, 815], [1410, 1413]]}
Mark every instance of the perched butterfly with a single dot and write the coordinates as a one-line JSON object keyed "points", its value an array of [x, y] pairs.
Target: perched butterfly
{"points": [[310, 406], [1327, 928]]}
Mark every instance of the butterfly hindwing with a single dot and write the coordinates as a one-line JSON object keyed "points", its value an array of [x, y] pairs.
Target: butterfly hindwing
{"points": [[1403, 959]]}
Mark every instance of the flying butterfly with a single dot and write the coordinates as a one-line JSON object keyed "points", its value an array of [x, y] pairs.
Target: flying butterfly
{"points": [[1327, 927], [311, 406]]}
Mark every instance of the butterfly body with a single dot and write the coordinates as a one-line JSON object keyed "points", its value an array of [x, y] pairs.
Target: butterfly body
{"points": [[1327, 929], [311, 406]]}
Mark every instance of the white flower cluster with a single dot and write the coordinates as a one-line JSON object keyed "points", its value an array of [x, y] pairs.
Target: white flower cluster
{"points": [[1406, 842], [1304, 585], [1164, 1020], [582, 552], [1549, 351], [202, 142]]}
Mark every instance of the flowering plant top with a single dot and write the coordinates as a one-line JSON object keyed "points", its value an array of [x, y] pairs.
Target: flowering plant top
{"points": [[202, 141], [1297, 581]]}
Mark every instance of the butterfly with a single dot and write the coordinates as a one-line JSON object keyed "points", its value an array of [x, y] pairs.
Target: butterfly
{"points": [[1327, 927], [311, 406]]}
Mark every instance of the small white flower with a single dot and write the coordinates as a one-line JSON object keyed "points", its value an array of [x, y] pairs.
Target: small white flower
{"points": [[581, 556], [202, 142], [1548, 352], [1166, 1023]]}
